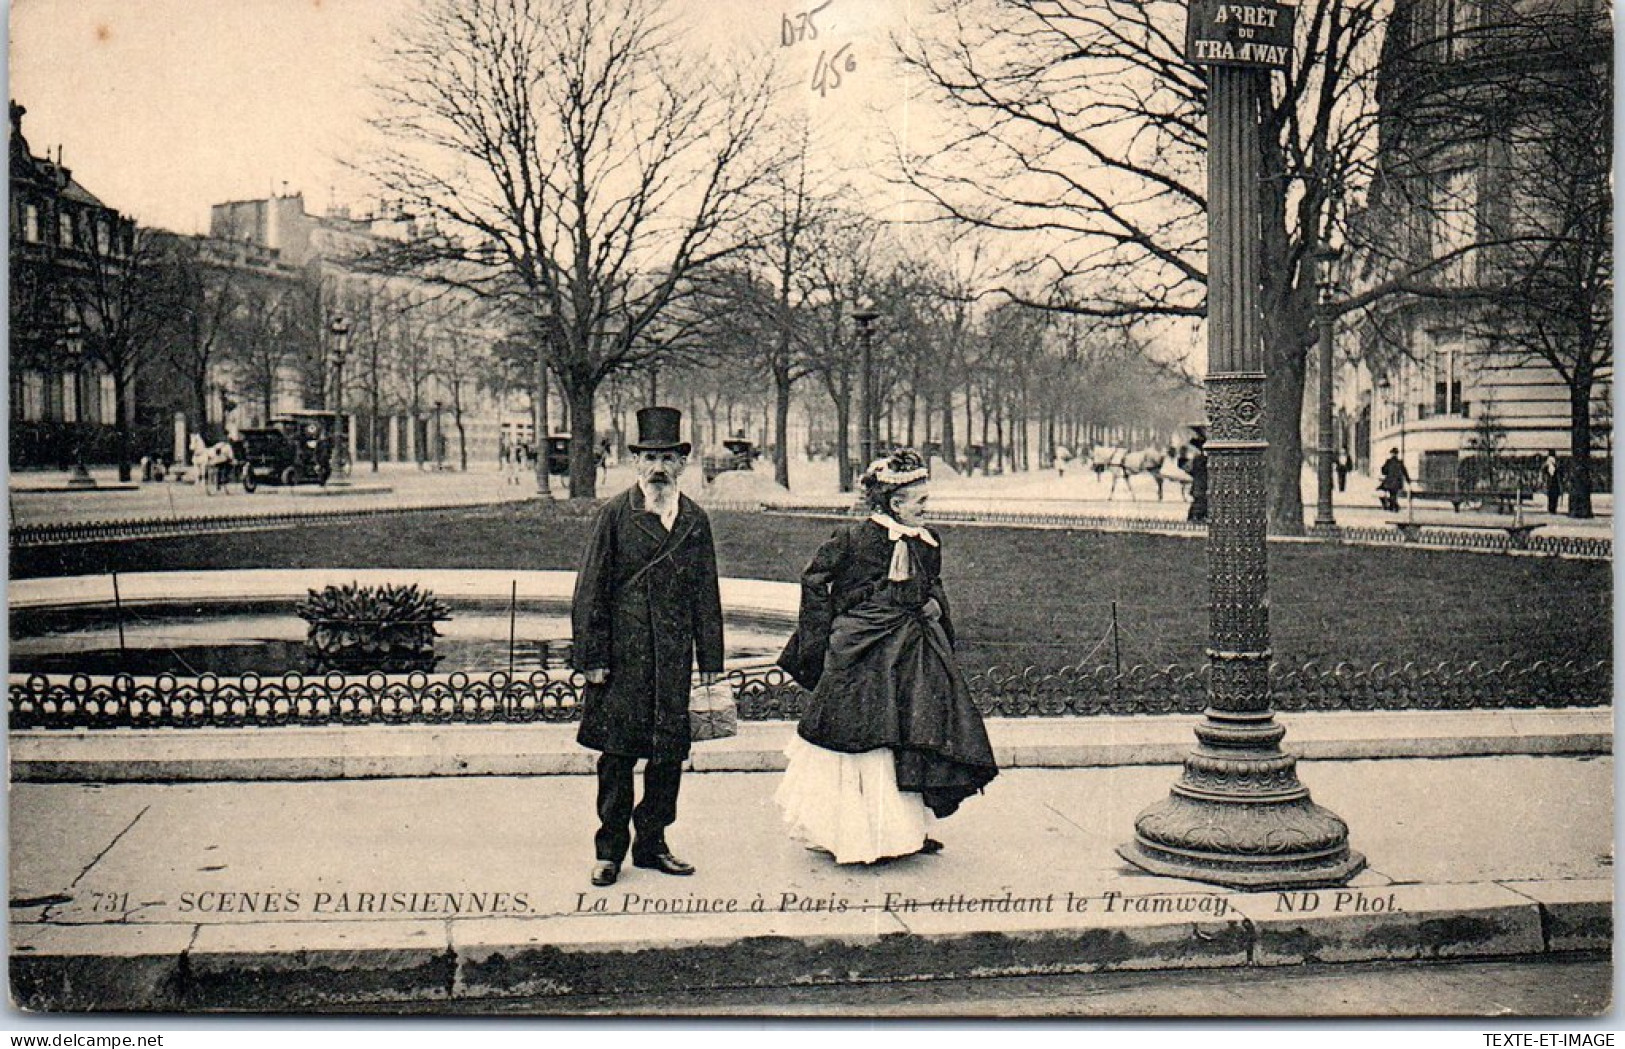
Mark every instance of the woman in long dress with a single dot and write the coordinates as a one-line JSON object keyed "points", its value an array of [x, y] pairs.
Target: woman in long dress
{"points": [[890, 741]]}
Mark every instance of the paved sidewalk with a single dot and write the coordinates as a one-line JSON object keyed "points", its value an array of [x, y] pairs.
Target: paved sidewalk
{"points": [[36, 497], [351, 894], [303, 752]]}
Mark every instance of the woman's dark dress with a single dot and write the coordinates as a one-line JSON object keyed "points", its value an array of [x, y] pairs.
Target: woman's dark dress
{"points": [[881, 667]]}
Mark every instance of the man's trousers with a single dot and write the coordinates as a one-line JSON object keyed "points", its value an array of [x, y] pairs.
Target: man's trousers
{"points": [[651, 817]]}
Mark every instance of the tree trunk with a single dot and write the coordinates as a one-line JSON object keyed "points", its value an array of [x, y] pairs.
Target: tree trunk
{"points": [[121, 425], [583, 462], [781, 426], [948, 428], [970, 426], [1283, 429], [544, 481], [200, 393], [1580, 446], [842, 396]]}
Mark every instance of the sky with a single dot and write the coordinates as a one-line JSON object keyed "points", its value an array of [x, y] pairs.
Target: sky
{"points": [[164, 107]]}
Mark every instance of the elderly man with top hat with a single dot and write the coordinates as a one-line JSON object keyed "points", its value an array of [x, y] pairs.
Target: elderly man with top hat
{"points": [[646, 609]]}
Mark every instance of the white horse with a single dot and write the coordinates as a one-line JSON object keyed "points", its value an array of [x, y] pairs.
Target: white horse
{"points": [[1117, 463]]}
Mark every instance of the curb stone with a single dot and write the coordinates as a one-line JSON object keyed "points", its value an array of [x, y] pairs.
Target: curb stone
{"points": [[347, 965]]}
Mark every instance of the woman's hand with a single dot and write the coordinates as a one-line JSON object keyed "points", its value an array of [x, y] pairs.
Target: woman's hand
{"points": [[931, 610], [596, 676]]}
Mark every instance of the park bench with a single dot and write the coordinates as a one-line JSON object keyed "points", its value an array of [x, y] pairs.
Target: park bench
{"points": [[1517, 531], [1473, 498]]}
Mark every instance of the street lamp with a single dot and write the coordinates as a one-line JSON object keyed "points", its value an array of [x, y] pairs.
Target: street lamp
{"points": [[865, 319], [79, 474], [1325, 257], [1238, 815], [341, 348]]}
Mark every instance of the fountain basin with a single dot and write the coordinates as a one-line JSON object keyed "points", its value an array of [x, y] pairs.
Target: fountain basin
{"points": [[67, 672]]}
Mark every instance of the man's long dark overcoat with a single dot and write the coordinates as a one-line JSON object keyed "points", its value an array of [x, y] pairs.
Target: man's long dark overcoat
{"points": [[646, 607]]}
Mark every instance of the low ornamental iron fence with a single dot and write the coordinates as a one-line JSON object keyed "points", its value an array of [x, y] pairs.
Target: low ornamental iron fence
{"points": [[1440, 536], [79, 701], [202, 524], [1443, 536]]}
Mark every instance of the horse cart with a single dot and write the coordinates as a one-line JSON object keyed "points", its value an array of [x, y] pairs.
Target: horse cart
{"points": [[742, 455]]}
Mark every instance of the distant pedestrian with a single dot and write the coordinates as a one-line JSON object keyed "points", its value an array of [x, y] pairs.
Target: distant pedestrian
{"points": [[1395, 479], [1063, 456], [1343, 465], [513, 463], [1197, 468], [220, 460], [1551, 474], [199, 455]]}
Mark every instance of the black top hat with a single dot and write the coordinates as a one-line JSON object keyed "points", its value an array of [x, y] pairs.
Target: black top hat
{"points": [[658, 431]]}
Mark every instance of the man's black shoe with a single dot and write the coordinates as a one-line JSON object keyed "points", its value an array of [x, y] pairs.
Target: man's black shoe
{"points": [[664, 862], [604, 872], [931, 847]]}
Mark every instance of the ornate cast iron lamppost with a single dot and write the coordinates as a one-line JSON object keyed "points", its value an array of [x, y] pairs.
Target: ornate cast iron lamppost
{"points": [[341, 428], [1238, 816], [1325, 257]]}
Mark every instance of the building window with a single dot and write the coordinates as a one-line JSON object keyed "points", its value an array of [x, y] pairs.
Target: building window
{"points": [[1447, 383], [104, 237], [1455, 224], [64, 232], [68, 386], [33, 406], [31, 223], [1453, 22], [109, 405]]}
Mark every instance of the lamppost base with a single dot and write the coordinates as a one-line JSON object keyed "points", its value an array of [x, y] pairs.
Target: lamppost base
{"points": [[1244, 843], [79, 477]]}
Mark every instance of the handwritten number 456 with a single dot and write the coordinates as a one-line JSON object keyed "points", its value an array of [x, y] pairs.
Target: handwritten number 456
{"points": [[793, 30], [827, 72]]}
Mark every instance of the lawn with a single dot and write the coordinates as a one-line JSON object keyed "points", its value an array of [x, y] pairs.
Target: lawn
{"points": [[1020, 596]]}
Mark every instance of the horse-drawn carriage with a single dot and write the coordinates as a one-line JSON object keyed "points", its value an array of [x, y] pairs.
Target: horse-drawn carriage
{"points": [[742, 455], [558, 455], [1162, 466]]}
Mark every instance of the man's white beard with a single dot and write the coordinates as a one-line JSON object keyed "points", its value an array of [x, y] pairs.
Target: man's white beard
{"points": [[659, 496]]}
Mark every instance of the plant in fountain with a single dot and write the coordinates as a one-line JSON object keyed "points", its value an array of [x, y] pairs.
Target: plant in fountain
{"points": [[368, 628]]}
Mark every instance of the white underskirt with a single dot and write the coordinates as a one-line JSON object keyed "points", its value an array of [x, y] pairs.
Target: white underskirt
{"points": [[849, 804]]}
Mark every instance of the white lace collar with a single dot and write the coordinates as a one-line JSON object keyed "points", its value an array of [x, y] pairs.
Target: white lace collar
{"points": [[896, 529]]}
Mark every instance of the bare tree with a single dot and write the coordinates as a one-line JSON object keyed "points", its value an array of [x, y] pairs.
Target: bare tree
{"points": [[265, 333], [797, 204], [464, 361], [1080, 133], [120, 306], [203, 299], [844, 272], [569, 156]]}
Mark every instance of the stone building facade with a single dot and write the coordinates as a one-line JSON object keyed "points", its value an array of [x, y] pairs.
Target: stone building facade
{"points": [[1470, 95], [62, 400]]}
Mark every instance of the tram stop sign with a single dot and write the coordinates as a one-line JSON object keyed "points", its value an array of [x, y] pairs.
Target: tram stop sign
{"points": [[1256, 34]]}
